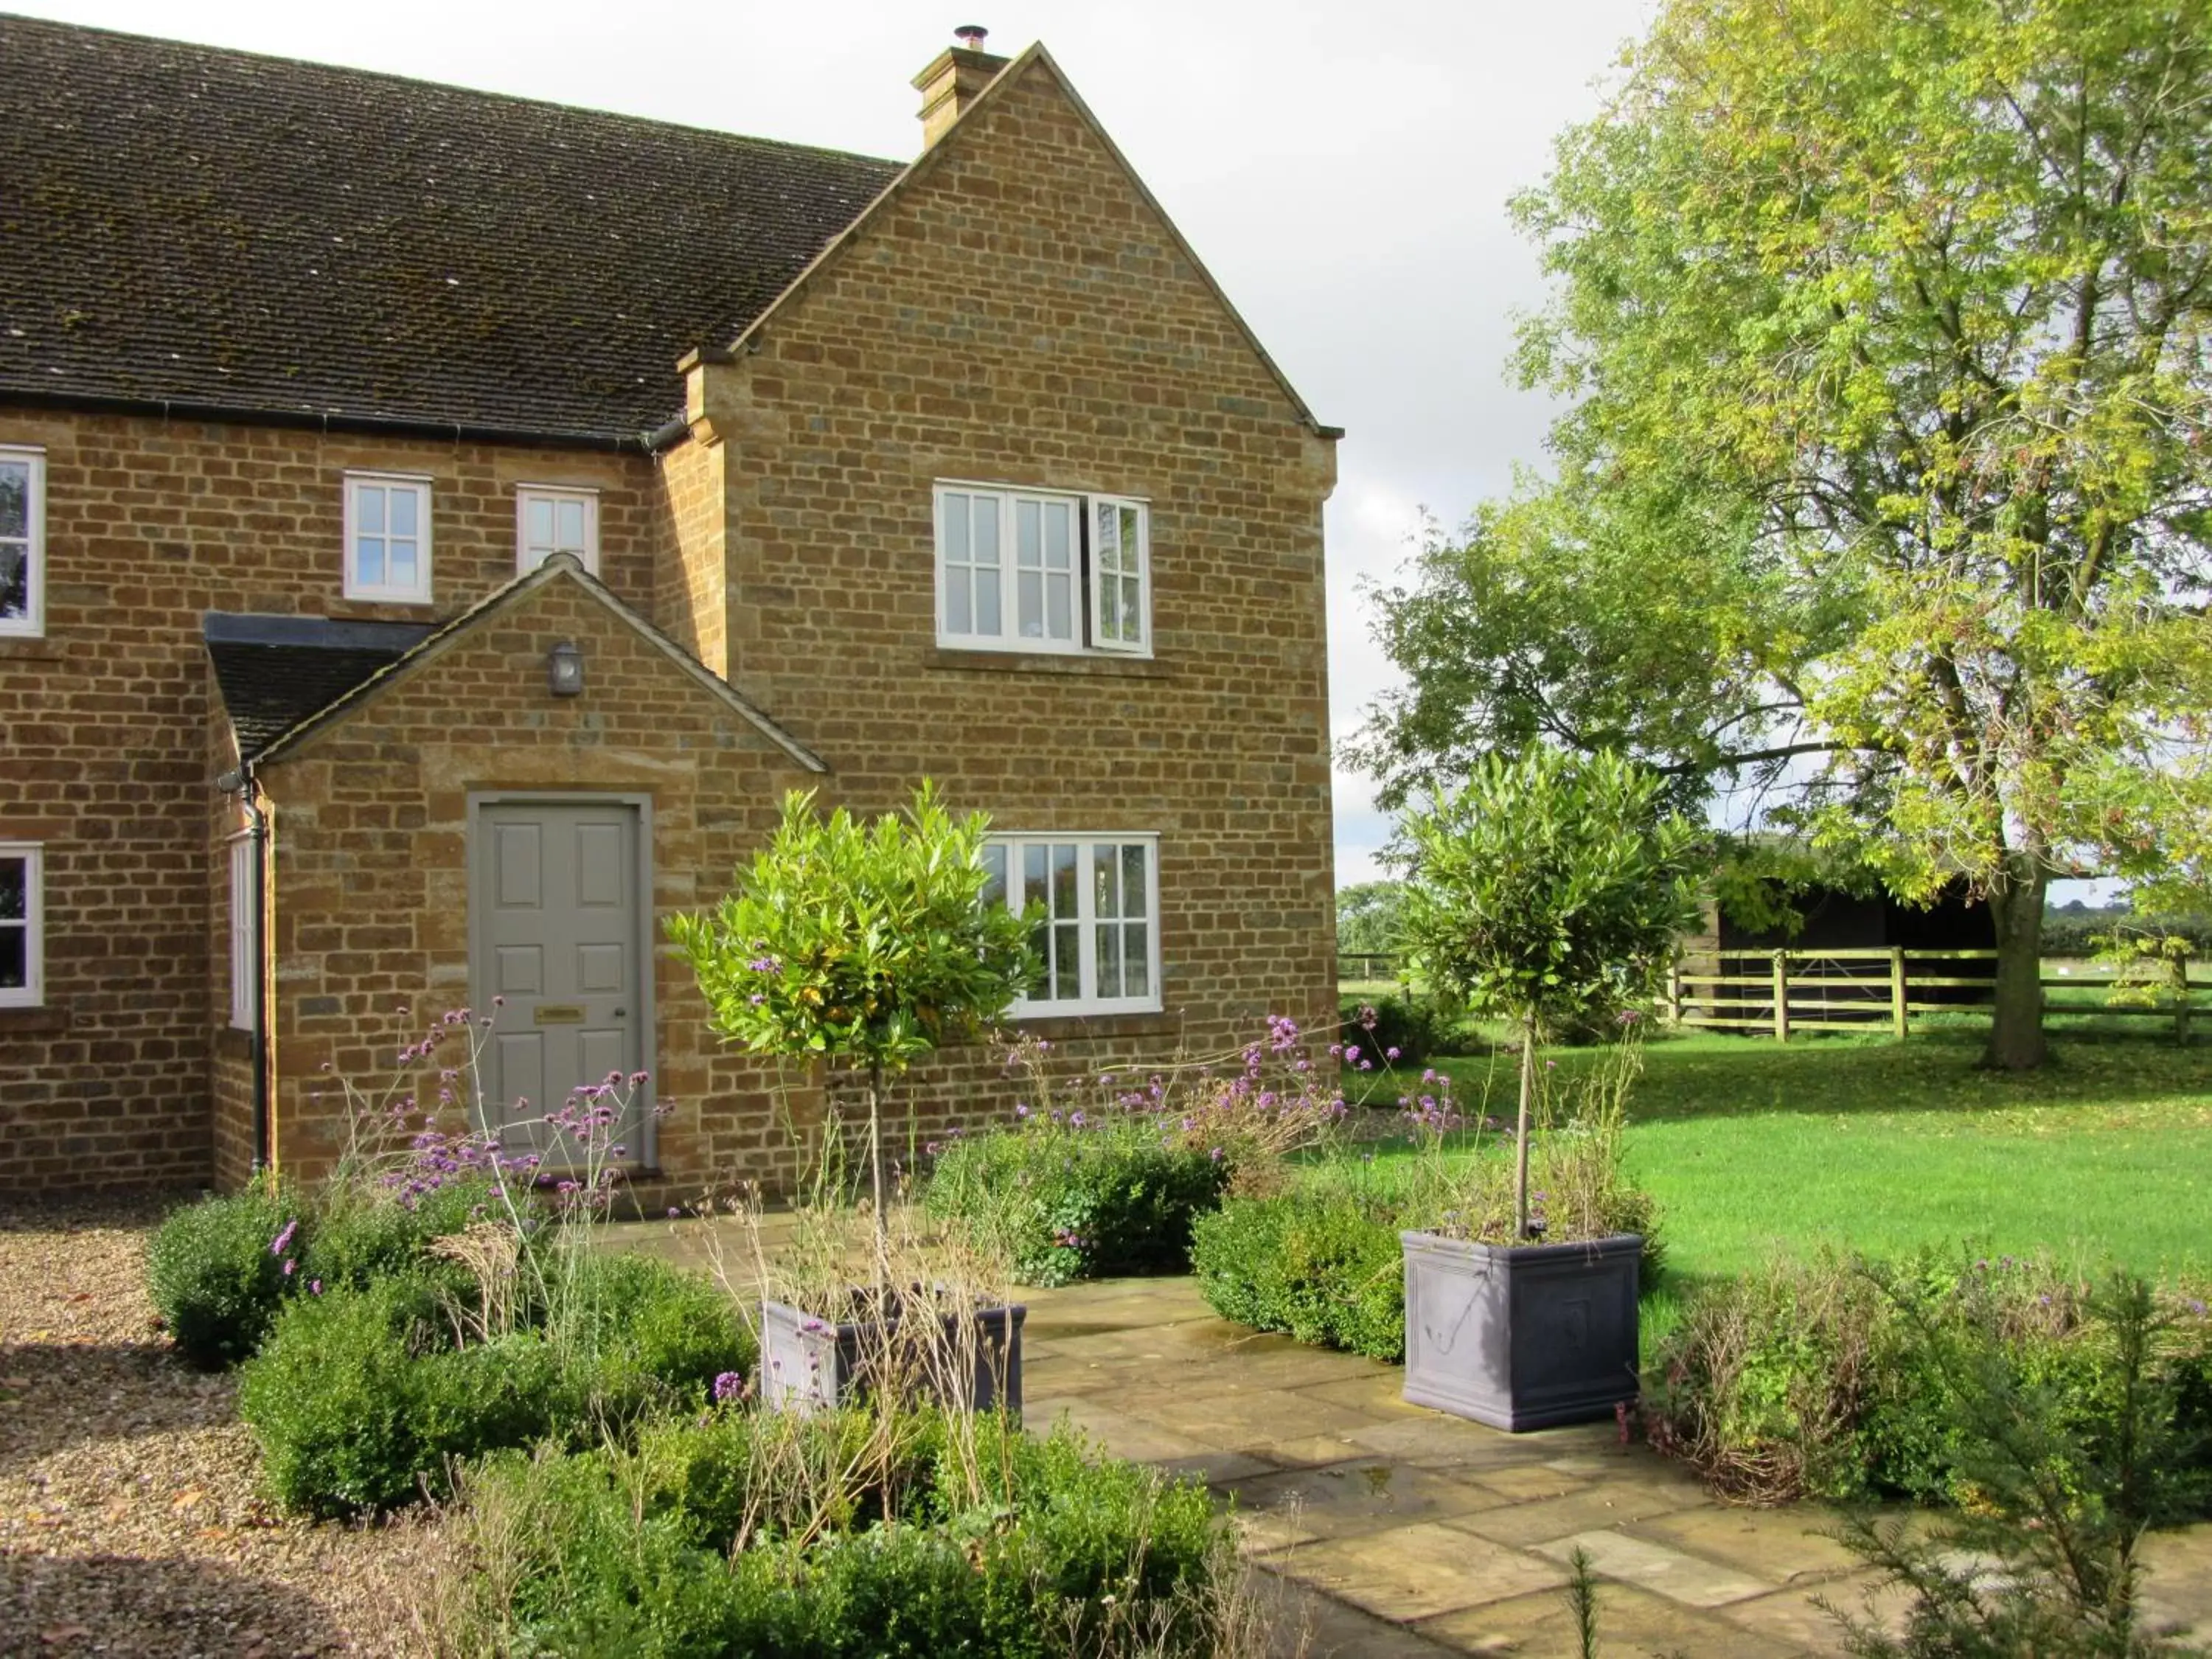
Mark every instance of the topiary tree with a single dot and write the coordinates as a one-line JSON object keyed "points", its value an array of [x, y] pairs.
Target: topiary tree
{"points": [[1548, 891], [868, 942]]}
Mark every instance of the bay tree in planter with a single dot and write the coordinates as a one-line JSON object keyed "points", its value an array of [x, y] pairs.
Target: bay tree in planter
{"points": [[867, 943], [1548, 892]]}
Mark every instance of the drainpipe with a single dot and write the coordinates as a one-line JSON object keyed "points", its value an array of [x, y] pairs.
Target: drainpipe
{"points": [[243, 784]]}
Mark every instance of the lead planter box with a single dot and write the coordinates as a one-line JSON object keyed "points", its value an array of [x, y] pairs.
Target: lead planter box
{"points": [[808, 1362], [1521, 1336]]}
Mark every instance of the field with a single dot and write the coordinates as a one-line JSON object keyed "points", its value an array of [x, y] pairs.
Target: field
{"points": [[1755, 1149]]}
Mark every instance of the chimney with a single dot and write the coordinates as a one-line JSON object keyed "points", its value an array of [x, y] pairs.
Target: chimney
{"points": [[954, 79]]}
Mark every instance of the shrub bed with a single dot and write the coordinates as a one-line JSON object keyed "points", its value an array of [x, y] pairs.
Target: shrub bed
{"points": [[1841, 1380], [363, 1398], [1317, 1263], [221, 1270], [1075, 1201], [847, 1534]]}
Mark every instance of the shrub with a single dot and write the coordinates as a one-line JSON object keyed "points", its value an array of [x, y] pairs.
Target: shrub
{"points": [[219, 1279], [213, 1277], [1409, 1024], [360, 1402], [1321, 1264], [861, 1534], [1838, 1380], [636, 1333], [1081, 1201]]}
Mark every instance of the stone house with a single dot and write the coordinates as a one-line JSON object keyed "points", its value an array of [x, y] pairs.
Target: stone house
{"points": [[437, 528]]}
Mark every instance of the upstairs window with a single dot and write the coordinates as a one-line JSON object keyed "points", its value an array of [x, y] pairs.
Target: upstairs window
{"points": [[22, 541], [22, 948], [1096, 901], [551, 520], [1028, 570], [387, 538]]}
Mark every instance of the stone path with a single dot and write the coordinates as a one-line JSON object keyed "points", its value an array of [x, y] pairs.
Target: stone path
{"points": [[1397, 1531]]}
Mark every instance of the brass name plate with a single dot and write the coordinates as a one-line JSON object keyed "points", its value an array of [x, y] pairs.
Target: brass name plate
{"points": [[560, 1013]]}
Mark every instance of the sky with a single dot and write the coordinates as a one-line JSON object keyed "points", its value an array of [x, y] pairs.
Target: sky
{"points": [[1343, 171]]}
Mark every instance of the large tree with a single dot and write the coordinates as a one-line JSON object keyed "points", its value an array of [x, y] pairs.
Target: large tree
{"points": [[1883, 480]]}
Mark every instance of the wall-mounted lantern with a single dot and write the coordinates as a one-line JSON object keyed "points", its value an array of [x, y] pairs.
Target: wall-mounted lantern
{"points": [[564, 670]]}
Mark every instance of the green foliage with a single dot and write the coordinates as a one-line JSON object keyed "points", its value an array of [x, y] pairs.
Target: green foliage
{"points": [[636, 1335], [213, 1279], [2069, 1465], [1067, 1202], [1549, 891], [1367, 918], [219, 1283], [868, 942], [1840, 1381], [359, 1401], [1321, 1264], [600, 1551], [1413, 1025], [1879, 331]]}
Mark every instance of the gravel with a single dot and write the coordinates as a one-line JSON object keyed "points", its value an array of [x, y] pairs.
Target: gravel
{"points": [[130, 1520]]}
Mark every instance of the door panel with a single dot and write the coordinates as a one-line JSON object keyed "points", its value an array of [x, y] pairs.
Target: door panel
{"points": [[555, 921]]}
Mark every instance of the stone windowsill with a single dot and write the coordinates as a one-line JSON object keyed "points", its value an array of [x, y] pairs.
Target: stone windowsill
{"points": [[1100, 664], [24, 648], [1064, 1028]]}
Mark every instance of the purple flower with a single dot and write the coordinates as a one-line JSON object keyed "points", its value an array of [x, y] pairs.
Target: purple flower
{"points": [[276, 1245], [729, 1385], [315, 1286], [290, 1266], [1389, 1054]]}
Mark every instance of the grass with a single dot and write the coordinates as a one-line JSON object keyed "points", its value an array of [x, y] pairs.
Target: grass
{"points": [[1755, 1149]]}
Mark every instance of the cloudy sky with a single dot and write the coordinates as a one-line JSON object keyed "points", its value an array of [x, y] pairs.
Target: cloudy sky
{"points": [[1342, 169]]}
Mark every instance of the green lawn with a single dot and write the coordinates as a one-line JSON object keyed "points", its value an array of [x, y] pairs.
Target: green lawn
{"points": [[1755, 1148]]}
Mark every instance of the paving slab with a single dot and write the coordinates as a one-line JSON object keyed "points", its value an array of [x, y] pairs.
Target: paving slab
{"points": [[1594, 1509], [1630, 1621], [1339, 1499], [1801, 1615], [1659, 1568], [1786, 1546], [1414, 1572]]}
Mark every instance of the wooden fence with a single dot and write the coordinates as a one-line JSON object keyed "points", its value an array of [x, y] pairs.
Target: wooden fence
{"points": [[1778, 992]]}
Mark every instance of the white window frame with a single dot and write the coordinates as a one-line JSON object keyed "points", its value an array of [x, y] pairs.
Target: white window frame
{"points": [[1086, 919], [1085, 637], [32, 624], [526, 494], [32, 993], [245, 1005], [387, 592]]}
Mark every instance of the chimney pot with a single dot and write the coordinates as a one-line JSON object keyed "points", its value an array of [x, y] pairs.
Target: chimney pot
{"points": [[956, 77]]}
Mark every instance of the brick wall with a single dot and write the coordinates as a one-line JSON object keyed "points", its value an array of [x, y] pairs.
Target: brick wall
{"points": [[372, 843], [1018, 312], [104, 726]]}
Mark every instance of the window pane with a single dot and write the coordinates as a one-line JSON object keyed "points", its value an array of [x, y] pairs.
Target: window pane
{"points": [[1034, 890], [1135, 887], [987, 602], [1133, 610], [568, 517], [994, 877], [404, 503], [1059, 522], [15, 500], [1137, 960], [14, 959], [14, 889], [957, 619], [402, 564], [1106, 886], [1041, 948], [1109, 960], [955, 530], [1028, 541], [1068, 971], [1029, 584], [1064, 900], [540, 516], [369, 509], [1060, 605], [368, 561], [986, 528], [15, 579], [1110, 609]]}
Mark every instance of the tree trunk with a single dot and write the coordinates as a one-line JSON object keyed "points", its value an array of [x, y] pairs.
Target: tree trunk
{"points": [[876, 1170], [2016, 1042], [1520, 1132]]}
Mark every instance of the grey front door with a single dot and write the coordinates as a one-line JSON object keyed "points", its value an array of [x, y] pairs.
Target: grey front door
{"points": [[557, 931]]}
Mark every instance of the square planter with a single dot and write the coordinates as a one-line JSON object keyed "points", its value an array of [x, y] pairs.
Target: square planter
{"points": [[1521, 1336], [808, 1362]]}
